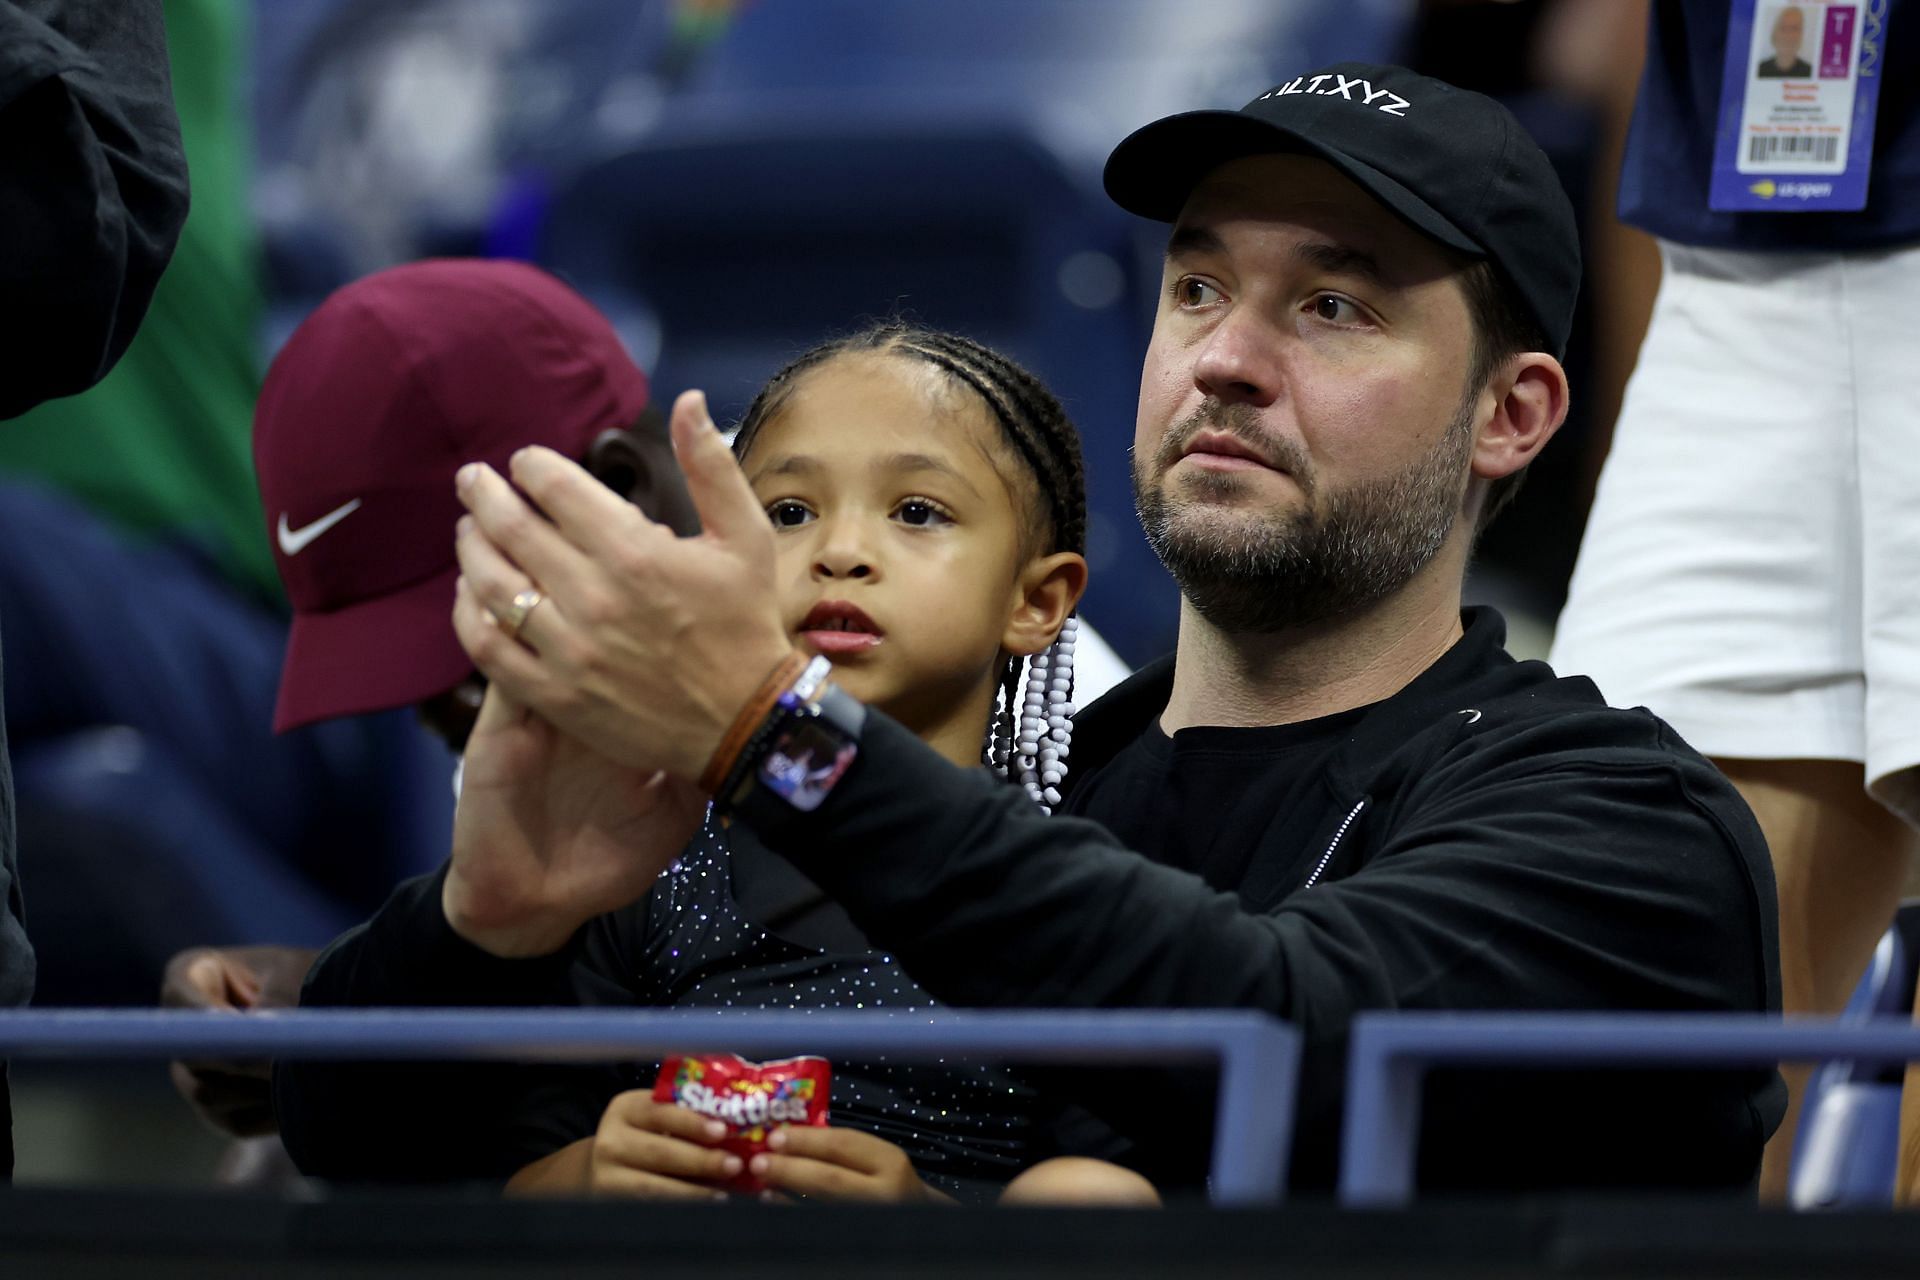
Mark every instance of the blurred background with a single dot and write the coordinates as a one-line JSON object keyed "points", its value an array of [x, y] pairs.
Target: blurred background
{"points": [[730, 180]]}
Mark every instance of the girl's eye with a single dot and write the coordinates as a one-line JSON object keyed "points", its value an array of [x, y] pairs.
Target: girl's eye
{"points": [[787, 514], [1335, 309], [1192, 292], [919, 512]]}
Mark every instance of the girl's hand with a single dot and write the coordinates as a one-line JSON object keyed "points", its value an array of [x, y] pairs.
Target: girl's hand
{"points": [[549, 834], [642, 1150], [657, 1151], [840, 1164]]}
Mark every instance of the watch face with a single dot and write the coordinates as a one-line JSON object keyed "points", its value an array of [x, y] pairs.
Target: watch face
{"points": [[805, 762]]}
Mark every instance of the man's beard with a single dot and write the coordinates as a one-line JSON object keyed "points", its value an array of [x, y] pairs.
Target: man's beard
{"points": [[1258, 572]]}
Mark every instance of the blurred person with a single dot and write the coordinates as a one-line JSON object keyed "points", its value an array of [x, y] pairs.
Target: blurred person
{"points": [[1749, 570], [1340, 793], [928, 501], [390, 385], [93, 189], [162, 810]]}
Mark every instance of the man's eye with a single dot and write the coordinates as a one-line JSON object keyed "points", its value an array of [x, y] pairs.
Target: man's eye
{"points": [[1190, 292], [787, 514], [1335, 309], [920, 512]]}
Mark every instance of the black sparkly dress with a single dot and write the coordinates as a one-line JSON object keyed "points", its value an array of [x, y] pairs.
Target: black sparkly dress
{"points": [[729, 926]]}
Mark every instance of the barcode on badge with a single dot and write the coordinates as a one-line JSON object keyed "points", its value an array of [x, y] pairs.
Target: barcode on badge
{"points": [[1818, 150]]}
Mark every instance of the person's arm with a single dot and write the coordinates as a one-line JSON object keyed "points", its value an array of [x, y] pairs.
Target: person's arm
{"points": [[1505, 877], [93, 188], [549, 843], [1528, 878], [1562, 874], [413, 1121]]}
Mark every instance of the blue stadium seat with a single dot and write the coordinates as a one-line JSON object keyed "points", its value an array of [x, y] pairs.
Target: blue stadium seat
{"points": [[1080, 73], [1848, 1149]]}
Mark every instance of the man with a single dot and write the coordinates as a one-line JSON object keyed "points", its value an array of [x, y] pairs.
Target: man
{"points": [[1348, 796], [1789, 30], [93, 191], [374, 400]]}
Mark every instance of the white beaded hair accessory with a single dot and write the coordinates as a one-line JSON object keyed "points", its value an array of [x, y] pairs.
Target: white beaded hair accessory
{"points": [[1037, 756]]}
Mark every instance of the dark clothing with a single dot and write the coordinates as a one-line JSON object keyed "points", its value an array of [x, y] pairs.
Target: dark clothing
{"points": [[695, 941], [1668, 166], [93, 188], [1199, 799], [1772, 70], [1490, 837], [93, 191]]}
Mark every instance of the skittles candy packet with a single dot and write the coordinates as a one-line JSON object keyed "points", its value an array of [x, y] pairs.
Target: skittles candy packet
{"points": [[752, 1098]]}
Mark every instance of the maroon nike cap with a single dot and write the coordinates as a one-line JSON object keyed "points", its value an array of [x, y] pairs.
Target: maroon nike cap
{"points": [[388, 388]]}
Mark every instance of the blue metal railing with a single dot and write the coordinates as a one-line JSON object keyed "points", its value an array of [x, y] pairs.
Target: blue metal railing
{"points": [[1257, 1056], [1392, 1053]]}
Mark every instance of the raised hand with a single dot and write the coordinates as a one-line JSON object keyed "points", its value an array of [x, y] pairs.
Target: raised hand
{"points": [[548, 833], [641, 644]]}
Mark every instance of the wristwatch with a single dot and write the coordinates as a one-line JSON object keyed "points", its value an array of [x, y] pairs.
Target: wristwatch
{"points": [[804, 747]]}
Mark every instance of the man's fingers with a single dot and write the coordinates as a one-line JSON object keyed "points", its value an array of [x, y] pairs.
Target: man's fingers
{"points": [[728, 510], [591, 517], [498, 711], [195, 979], [497, 583], [238, 1104], [276, 970], [499, 656], [513, 529]]}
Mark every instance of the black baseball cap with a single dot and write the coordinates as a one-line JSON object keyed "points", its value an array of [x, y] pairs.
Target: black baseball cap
{"points": [[1452, 163]]}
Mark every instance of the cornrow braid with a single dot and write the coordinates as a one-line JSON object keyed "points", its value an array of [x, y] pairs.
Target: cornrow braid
{"points": [[1030, 735]]}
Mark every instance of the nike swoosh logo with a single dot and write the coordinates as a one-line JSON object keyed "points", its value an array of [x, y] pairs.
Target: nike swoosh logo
{"points": [[294, 541]]}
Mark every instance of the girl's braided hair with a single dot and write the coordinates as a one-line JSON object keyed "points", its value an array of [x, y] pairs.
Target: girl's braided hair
{"points": [[1029, 736]]}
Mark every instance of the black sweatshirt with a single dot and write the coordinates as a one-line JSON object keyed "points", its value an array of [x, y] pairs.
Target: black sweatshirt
{"points": [[93, 192], [93, 188], [1491, 837]]}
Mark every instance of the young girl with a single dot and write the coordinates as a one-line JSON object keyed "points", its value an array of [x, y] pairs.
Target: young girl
{"points": [[928, 503]]}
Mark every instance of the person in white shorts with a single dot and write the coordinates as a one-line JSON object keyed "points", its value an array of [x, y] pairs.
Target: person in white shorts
{"points": [[1751, 566]]}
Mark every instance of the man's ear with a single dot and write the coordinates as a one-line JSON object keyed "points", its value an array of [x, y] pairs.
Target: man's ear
{"points": [[1046, 595], [1529, 403], [641, 469]]}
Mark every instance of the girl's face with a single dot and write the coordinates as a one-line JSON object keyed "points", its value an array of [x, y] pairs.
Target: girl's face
{"points": [[899, 544]]}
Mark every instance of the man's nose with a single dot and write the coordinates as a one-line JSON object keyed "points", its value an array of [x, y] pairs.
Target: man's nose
{"points": [[1239, 362]]}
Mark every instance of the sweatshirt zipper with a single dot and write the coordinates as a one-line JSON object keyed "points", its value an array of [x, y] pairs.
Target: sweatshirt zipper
{"points": [[1339, 835]]}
